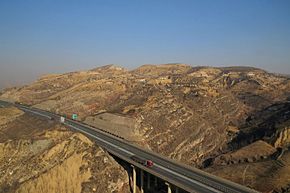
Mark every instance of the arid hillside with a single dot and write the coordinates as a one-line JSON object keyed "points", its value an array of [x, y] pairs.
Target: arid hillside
{"points": [[41, 156], [202, 116]]}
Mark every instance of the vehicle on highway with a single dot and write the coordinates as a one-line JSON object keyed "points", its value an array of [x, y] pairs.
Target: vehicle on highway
{"points": [[62, 119], [20, 103], [144, 162]]}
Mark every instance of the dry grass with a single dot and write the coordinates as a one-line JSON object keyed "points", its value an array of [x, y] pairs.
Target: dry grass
{"points": [[61, 179], [9, 114], [263, 176]]}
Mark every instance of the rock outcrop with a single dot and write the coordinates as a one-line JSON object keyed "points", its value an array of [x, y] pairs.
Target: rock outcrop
{"points": [[283, 138]]}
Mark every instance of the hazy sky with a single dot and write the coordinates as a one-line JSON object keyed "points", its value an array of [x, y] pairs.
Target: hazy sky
{"points": [[50, 36]]}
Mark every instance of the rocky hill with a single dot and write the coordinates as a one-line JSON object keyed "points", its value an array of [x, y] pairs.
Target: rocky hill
{"points": [[41, 156], [203, 116]]}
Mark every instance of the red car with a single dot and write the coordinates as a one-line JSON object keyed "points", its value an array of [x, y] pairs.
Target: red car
{"points": [[144, 162], [149, 163]]}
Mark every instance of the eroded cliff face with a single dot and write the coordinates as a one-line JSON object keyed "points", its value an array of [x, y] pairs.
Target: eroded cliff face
{"points": [[191, 114], [54, 159], [265, 176], [186, 113]]}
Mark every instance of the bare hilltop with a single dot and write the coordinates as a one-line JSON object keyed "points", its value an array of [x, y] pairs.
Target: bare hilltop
{"points": [[233, 122]]}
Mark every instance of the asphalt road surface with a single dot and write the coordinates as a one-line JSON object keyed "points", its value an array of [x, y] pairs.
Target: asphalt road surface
{"points": [[180, 175]]}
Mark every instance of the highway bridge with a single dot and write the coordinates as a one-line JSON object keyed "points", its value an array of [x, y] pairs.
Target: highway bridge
{"points": [[176, 175]]}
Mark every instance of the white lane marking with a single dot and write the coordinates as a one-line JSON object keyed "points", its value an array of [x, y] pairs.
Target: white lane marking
{"points": [[155, 164], [130, 153], [115, 146], [189, 179], [25, 109]]}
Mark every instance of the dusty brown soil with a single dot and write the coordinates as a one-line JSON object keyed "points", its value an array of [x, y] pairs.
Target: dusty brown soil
{"points": [[195, 115], [254, 152], [24, 127], [8, 115], [41, 156], [121, 126], [264, 176]]}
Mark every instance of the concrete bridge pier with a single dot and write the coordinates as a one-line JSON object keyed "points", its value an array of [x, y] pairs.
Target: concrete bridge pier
{"points": [[176, 189], [155, 181], [134, 178], [168, 187], [148, 181], [142, 180]]}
